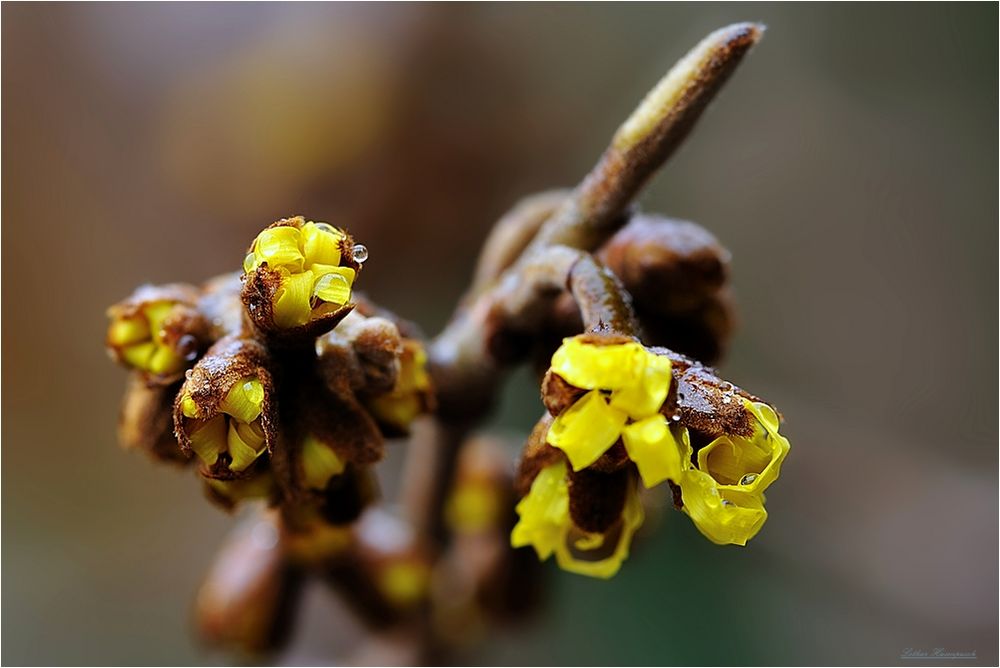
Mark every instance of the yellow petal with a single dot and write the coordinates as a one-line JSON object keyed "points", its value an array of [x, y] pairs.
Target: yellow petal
{"points": [[722, 517], [139, 354], [242, 453], [165, 361], [279, 247], [319, 463], [320, 244], [591, 367], [645, 397], [653, 448], [208, 438], [293, 304], [586, 429], [335, 286], [244, 400], [125, 331], [188, 407], [156, 313], [544, 512], [607, 567]]}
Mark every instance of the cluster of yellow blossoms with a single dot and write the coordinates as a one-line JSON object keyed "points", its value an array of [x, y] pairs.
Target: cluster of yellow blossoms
{"points": [[625, 387], [308, 261]]}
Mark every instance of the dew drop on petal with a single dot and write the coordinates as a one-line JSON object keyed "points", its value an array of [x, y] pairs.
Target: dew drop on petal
{"points": [[748, 479], [727, 502], [676, 417], [327, 227], [359, 253]]}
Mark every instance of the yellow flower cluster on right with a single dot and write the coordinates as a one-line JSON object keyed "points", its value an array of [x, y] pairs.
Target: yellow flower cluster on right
{"points": [[625, 388]]}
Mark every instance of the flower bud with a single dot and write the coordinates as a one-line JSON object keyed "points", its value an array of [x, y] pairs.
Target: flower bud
{"points": [[247, 601], [410, 396], [298, 278], [158, 331], [224, 412]]}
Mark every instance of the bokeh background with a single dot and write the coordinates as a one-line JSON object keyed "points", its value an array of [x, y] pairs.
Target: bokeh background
{"points": [[849, 167]]}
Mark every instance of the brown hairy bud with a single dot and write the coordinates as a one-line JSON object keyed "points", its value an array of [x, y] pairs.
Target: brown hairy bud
{"points": [[225, 412]]}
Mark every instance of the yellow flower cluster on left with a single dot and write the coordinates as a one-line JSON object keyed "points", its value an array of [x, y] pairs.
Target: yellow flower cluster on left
{"points": [[140, 340], [546, 525], [308, 259]]}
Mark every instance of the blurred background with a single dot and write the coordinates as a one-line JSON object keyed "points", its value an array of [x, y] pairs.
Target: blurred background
{"points": [[849, 167]]}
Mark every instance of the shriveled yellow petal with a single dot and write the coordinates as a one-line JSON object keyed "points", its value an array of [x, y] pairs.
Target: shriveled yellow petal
{"points": [[293, 305], [607, 567], [724, 518], [645, 397], [334, 286], [320, 244], [544, 512], [319, 463], [245, 400], [126, 331], [279, 247], [208, 438], [653, 448], [242, 453], [139, 354], [587, 429], [591, 367]]}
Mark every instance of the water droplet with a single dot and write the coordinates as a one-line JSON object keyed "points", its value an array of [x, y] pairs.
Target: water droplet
{"points": [[748, 479], [359, 253], [726, 399], [727, 502], [248, 263], [327, 227], [676, 417], [187, 346], [187, 374]]}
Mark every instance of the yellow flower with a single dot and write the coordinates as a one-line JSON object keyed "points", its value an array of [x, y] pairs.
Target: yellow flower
{"points": [[724, 494], [139, 339], [319, 463], [545, 524], [307, 256], [627, 387], [236, 429], [408, 397]]}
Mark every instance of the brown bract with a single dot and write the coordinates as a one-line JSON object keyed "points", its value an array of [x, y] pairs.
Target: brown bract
{"points": [[146, 420]]}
